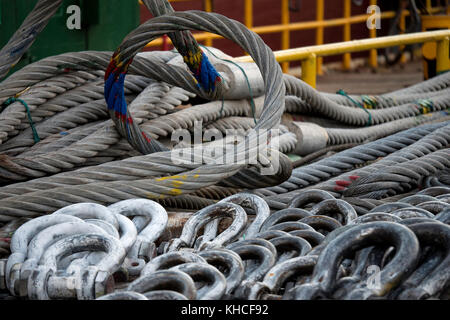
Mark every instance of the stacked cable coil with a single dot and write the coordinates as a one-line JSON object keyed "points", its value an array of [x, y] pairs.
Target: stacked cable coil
{"points": [[185, 175]]}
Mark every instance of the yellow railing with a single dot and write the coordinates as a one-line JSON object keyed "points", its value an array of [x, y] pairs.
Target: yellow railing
{"points": [[285, 27], [308, 55]]}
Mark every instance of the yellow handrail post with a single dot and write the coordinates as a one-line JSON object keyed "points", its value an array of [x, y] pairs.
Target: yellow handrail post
{"points": [[248, 19], [373, 58], [428, 6], [285, 33], [347, 59], [208, 8], [442, 56], [319, 32], [309, 67], [402, 31]]}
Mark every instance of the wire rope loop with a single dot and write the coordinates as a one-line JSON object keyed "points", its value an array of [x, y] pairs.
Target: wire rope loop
{"points": [[210, 22]]}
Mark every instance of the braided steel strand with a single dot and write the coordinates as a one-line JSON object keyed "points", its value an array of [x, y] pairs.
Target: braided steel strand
{"points": [[77, 154], [216, 192], [186, 201], [22, 168], [77, 106], [382, 102], [83, 63], [240, 125], [128, 169], [347, 160], [62, 139], [399, 178], [82, 93], [11, 117], [152, 165], [426, 89], [436, 83], [25, 35], [145, 64], [193, 20], [47, 201], [297, 105], [359, 135], [432, 87], [206, 113], [357, 116], [157, 98], [434, 141]]}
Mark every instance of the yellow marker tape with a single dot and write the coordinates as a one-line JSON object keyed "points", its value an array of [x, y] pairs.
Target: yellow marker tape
{"points": [[175, 192], [167, 178], [177, 183]]}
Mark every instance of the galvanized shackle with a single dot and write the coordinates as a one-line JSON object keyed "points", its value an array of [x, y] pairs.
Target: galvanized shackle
{"points": [[259, 206], [376, 216], [336, 208], [152, 223], [435, 207], [313, 237], [164, 280], [308, 197], [328, 238], [214, 281], [86, 210], [42, 241], [270, 234], [203, 217], [355, 238], [289, 226], [435, 191], [444, 198], [284, 215], [290, 247], [434, 280], [229, 263], [245, 200], [416, 199], [390, 207], [265, 259], [444, 216], [251, 265], [276, 277], [170, 259], [361, 268], [47, 281], [412, 212], [321, 224], [19, 246]]}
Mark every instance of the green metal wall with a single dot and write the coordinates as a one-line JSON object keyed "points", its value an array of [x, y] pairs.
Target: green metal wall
{"points": [[104, 23]]}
